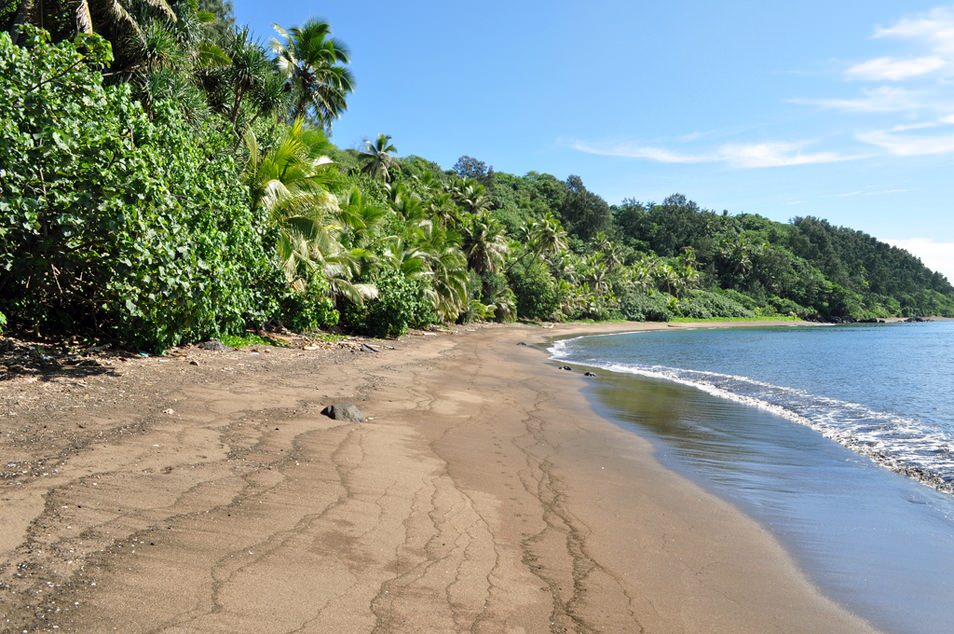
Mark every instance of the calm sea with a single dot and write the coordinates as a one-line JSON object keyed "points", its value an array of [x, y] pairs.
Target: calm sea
{"points": [[838, 439]]}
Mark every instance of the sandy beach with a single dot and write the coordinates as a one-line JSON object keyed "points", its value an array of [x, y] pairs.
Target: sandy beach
{"points": [[204, 492]]}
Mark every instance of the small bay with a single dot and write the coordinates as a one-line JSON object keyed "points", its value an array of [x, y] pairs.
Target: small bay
{"points": [[837, 439]]}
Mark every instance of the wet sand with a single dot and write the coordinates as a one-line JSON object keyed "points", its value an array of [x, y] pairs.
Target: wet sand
{"points": [[483, 495]]}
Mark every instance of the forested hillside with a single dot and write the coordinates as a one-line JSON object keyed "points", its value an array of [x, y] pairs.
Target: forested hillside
{"points": [[166, 178]]}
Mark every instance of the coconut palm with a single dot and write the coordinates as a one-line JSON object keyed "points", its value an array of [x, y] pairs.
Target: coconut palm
{"points": [[471, 196], [313, 64], [541, 238], [291, 183], [485, 243], [377, 158]]}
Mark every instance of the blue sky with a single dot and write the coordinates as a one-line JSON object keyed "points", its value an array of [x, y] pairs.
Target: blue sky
{"points": [[843, 110]]}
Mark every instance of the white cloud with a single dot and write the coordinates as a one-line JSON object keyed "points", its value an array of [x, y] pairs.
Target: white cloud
{"points": [[740, 155], [934, 29], [881, 99], [866, 192], [937, 256], [907, 144], [892, 69], [627, 150], [776, 155]]}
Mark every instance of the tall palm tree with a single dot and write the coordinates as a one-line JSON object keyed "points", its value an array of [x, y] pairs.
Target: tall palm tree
{"points": [[291, 182], [377, 158], [313, 63], [485, 243]]}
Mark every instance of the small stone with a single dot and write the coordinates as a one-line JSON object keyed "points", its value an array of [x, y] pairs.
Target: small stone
{"points": [[369, 348], [193, 362], [344, 411], [169, 412], [214, 345], [566, 367], [589, 374]]}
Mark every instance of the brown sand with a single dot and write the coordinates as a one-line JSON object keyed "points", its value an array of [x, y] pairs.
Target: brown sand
{"points": [[483, 496]]}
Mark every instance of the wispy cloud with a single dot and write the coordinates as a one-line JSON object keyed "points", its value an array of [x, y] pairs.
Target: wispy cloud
{"points": [[738, 155], [893, 69], [883, 99], [777, 155], [866, 192], [929, 64], [634, 151], [934, 29], [937, 256], [908, 144]]}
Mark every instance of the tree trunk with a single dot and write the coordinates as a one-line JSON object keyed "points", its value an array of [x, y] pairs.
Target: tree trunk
{"points": [[84, 21], [23, 14]]}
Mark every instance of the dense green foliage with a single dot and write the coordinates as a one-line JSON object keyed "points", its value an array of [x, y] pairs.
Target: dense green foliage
{"points": [[167, 180], [112, 221]]}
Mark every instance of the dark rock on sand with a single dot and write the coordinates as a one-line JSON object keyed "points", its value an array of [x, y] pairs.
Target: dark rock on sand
{"points": [[589, 374], [566, 367], [214, 345], [344, 411]]}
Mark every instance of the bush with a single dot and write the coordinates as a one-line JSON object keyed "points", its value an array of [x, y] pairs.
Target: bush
{"points": [[701, 304], [785, 306], [113, 223], [638, 305], [495, 292], [306, 311], [401, 303], [538, 294]]}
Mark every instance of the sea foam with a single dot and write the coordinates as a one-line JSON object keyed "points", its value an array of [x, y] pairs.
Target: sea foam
{"points": [[902, 444]]}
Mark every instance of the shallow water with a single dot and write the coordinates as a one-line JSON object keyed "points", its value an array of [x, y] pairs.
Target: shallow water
{"points": [[878, 542]]}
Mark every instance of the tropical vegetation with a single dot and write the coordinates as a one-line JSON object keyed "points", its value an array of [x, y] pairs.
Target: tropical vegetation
{"points": [[165, 178]]}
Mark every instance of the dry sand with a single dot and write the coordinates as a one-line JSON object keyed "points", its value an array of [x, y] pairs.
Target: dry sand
{"points": [[484, 495]]}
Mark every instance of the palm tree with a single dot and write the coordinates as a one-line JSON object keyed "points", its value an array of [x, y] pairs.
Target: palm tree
{"points": [[548, 236], [313, 63], [117, 19], [248, 70], [291, 183], [485, 243], [377, 159], [471, 196], [296, 163]]}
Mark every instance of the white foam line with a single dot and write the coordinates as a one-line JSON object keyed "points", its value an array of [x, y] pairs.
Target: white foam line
{"points": [[904, 449]]}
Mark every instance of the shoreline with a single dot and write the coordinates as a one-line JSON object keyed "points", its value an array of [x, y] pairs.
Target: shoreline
{"points": [[875, 539], [483, 494]]}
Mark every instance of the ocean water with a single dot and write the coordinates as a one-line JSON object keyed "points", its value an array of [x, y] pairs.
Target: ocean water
{"points": [[840, 440]]}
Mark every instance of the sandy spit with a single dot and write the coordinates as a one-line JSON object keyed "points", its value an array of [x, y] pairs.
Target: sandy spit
{"points": [[204, 493]]}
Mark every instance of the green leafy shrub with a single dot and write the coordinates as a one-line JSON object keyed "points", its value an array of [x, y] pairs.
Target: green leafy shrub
{"points": [[538, 294], [112, 222], [639, 305], [3, 322], [710, 304], [401, 303], [495, 292], [309, 310], [787, 307]]}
